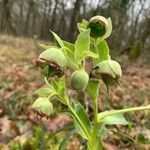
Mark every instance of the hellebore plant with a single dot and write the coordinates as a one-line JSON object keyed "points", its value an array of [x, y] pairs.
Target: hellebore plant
{"points": [[54, 62]]}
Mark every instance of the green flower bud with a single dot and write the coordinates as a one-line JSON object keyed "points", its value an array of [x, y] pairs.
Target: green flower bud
{"points": [[109, 70], [52, 61], [79, 80], [98, 26], [43, 106]]}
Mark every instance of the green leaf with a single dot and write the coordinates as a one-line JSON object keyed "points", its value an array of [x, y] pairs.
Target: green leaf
{"points": [[112, 119], [82, 45], [55, 85], [83, 42], [45, 46], [71, 62], [90, 54], [58, 85], [43, 92], [102, 50], [82, 26], [93, 89], [82, 116], [58, 39], [69, 45], [121, 111], [85, 22], [60, 88], [115, 119]]}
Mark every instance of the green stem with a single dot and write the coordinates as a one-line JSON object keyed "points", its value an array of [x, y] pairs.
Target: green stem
{"points": [[113, 112], [95, 130], [95, 126], [95, 120], [47, 83], [51, 95]]}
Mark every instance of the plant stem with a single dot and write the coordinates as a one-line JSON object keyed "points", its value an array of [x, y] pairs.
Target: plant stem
{"points": [[95, 126], [47, 83], [95, 119], [95, 132]]}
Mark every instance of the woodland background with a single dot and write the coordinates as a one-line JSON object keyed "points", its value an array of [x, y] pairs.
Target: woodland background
{"points": [[34, 18]]}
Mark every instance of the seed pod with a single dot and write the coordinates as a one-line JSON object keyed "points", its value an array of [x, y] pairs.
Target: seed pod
{"points": [[79, 80], [109, 70], [98, 26], [52, 61], [43, 106]]}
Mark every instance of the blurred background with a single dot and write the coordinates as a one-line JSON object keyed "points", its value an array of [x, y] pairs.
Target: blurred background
{"points": [[26, 23], [34, 18]]}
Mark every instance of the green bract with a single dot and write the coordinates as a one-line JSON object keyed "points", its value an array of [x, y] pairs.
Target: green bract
{"points": [[79, 80], [52, 61], [43, 106], [54, 56], [109, 70], [98, 26]]}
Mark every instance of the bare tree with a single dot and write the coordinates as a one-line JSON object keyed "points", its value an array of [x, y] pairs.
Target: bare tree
{"points": [[74, 18], [37, 17], [6, 6]]}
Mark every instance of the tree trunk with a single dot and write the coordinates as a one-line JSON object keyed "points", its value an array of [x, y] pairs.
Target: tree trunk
{"points": [[74, 19]]}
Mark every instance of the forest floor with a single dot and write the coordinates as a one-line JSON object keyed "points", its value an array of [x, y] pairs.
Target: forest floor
{"points": [[19, 78]]}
